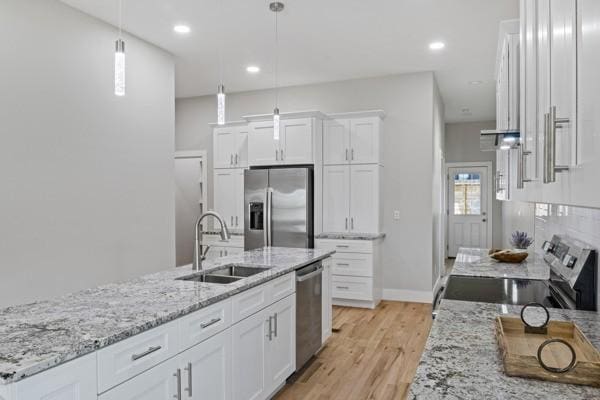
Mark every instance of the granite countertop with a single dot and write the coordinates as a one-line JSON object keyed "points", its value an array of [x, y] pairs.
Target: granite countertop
{"points": [[350, 236], [477, 262], [461, 358], [37, 336]]}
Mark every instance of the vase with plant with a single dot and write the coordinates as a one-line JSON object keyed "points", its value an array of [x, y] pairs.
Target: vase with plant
{"points": [[521, 240]]}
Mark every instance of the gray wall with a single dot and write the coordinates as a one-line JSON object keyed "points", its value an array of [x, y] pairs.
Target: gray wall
{"points": [[407, 184], [462, 145], [87, 185]]}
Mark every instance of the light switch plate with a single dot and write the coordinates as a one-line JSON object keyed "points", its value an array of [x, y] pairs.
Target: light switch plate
{"points": [[396, 214]]}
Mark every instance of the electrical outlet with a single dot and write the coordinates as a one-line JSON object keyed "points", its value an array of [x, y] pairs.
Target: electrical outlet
{"points": [[396, 214]]}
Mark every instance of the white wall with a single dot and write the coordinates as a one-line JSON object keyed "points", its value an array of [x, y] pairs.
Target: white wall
{"points": [[438, 188], [517, 216], [462, 145], [87, 185], [408, 143]]}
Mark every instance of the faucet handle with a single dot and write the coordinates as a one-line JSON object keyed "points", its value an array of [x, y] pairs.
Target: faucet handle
{"points": [[205, 251]]}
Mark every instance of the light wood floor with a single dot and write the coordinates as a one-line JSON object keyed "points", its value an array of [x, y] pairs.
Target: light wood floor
{"points": [[373, 354]]}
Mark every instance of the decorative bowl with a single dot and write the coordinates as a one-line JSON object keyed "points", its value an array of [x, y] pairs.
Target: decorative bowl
{"points": [[514, 256]]}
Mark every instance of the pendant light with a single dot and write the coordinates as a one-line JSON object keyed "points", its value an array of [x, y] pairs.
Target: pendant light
{"points": [[120, 57], [221, 87], [276, 7]]}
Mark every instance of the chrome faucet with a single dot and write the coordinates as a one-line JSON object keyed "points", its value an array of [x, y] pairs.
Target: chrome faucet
{"points": [[198, 255]]}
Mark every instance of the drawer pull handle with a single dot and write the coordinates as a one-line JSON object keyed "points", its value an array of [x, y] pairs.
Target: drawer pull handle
{"points": [[342, 246], [342, 287], [343, 264], [209, 323], [145, 353]]}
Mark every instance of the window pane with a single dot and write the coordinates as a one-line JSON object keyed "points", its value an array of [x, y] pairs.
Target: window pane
{"points": [[467, 194]]}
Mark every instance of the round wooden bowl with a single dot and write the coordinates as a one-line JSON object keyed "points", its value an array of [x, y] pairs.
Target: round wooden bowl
{"points": [[510, 256]]}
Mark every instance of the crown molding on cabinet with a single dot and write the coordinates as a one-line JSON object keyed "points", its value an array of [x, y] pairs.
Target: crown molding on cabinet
{"points": [[358, 114], [230, 123], [286, 115]]}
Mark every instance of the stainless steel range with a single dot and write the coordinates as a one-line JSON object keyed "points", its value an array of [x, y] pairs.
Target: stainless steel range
{"points": [[573, 282]]}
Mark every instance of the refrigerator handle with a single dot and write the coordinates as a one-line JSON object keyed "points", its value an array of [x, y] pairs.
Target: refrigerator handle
{"points": [[266, 219], [269, 241]]}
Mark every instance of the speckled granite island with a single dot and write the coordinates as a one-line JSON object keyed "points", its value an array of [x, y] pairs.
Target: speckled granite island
{"points": [[477, 262], [36, 337], [461, 358]]}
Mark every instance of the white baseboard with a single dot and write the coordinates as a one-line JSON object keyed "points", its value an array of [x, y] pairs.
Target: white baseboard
{"points": [[416, 296]]}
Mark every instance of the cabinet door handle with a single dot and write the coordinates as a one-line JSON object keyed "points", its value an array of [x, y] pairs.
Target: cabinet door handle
{"points": [[232, 220], [231, 160], [150, 350], [352, 223], [276, 155], [190, 380], [236, 221], [275, 317], [270, 334], [281, 154], [346, 223], [550, 125], [178, 376], [209, 323], [236, 159], [346, 154], [352, 158]]}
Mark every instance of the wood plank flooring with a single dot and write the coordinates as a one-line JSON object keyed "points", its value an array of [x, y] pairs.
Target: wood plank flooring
{"points": [[372, 355]]}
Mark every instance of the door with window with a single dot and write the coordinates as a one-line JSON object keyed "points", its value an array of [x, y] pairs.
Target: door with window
{"points": [[467, 208]]}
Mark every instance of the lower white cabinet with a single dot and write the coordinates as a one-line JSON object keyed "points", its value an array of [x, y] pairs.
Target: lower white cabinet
{"points": [[158, 383], [75, 380], [327, 311], [264, 350]]}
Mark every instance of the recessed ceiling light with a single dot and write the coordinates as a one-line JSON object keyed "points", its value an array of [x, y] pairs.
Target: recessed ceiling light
{"points": [[253, 69], [475, 83], [182, 29], [436, 45]]}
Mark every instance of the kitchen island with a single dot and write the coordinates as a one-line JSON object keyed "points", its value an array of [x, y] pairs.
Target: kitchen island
{"points": [[461, 358], [38, 336], [477, 262]]}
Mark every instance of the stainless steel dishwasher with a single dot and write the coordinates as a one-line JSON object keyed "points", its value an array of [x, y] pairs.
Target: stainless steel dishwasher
{"points": [[308, 312]]}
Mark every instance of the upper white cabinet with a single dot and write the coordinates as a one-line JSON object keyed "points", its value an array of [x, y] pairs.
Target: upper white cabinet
{"points": [[298, 141], [230, 146], [353, 138], [351, 199], [229, 196]]}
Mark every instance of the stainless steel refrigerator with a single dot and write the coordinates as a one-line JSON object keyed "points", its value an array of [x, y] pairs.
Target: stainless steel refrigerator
{"points": [[278, 207]]}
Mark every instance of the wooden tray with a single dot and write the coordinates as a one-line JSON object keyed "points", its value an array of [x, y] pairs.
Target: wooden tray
{"points": [[519, 352], [509, 256]]}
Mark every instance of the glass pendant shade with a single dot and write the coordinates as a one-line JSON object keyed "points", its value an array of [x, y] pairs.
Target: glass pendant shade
{"points": [[276, 124], [221, 105], [120, 68]]}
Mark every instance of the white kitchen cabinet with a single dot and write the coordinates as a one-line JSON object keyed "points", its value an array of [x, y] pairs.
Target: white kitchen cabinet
{"points": [[229, 196], [158, 383], [353, 138], [336, 198], [327, 310], [207, 368], [281, 345], [230, 146], [351, 199], [75, 380], [296, 143], [364, 198]]}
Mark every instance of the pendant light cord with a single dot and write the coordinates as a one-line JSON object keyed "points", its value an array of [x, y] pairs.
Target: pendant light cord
{"points": [[220, 45], [120, 19], [276, 62]]}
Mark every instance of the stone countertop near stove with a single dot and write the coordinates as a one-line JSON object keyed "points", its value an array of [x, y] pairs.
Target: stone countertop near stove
{"points": [[461, 358], [477, 262], [350, 236], [37, 336]]}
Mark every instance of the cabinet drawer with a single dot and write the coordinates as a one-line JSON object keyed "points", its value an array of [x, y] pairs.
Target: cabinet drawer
{"points": [[204, 323], [126, 359], [345, 246], [353, 264], [249, 302], [282, 287], [352, 287]]}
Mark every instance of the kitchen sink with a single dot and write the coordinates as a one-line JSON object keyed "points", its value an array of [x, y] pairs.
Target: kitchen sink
{"points": [[224, 275]]}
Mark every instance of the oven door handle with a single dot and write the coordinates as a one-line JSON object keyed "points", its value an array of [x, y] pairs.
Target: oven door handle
{"points": [[558, 298]]}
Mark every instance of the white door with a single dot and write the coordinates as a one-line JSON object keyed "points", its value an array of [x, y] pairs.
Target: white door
{"points": [[467, 213], [364, 140], [158, 383], [262, 148], [75, 380], [224, 145], [336, 142], [249, 352], [364, 198], [207, 368], [281, 346], [224, 194], [297, 137], [336, 198], [238, 198], [241, 147]]}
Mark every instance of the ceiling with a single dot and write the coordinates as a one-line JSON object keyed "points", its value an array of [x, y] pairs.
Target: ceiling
{"points": [[324, 41]]}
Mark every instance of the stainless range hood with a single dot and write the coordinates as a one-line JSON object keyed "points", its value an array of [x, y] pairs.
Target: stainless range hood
{"points": [[492, 140]]}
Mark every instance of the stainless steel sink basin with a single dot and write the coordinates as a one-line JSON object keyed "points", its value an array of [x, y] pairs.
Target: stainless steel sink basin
{"points": [[224, 275], [238, 270]]}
